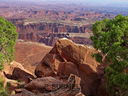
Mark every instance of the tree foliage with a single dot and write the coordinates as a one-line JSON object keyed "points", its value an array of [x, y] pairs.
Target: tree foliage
{"points": [[8, 36], [110, 36]]}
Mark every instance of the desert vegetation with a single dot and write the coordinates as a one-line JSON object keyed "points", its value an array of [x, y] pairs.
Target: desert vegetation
{"points": [[8, 36], [111, 37]]}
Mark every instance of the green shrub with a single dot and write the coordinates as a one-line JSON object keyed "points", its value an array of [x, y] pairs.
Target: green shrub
{"points": [[111, 37], [8, 36]]}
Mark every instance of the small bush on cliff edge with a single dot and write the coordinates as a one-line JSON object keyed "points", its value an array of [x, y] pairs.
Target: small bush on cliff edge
{"points": [[110, 36], [8, 36]]}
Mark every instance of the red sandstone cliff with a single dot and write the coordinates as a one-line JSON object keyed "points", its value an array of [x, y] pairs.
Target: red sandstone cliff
{"points": [[48, 33]]}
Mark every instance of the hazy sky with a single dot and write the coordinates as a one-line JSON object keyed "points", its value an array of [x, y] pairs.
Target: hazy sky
{"points": [[83, 1], [92, 2]]}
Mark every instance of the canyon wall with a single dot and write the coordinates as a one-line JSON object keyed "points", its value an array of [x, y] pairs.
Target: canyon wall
{"points": [[48, 33]]}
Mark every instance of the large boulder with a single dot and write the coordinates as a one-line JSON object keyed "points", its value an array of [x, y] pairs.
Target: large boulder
{"points": [[16, 71], [60, 92], [49, 86], [67, 58], [44, 84]]}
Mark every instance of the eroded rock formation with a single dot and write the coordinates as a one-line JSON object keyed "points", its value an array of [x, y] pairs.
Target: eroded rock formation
{"points": [[47, 86], [67, 70], [16, 71], [68, 58], [47, 33]]}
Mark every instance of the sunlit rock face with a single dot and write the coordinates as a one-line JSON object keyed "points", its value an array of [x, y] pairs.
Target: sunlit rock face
{"points": [[67, 58], [67, 69]]}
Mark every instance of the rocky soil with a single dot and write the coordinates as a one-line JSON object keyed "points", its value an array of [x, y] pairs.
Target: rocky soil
{"points": [[29, 54]]}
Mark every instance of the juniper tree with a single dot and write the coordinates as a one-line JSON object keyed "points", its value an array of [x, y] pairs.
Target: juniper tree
{"points": [[8, 36], [110, 36]]}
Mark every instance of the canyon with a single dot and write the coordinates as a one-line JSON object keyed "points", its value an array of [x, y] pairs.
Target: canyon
{"points": [[47, 24], [53, 54]]}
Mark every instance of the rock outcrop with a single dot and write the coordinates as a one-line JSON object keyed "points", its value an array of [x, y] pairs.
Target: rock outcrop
{"points": [[12, 74], [67, 70], [49, 86], [44, 84], [68, 58], [16, 71]]}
